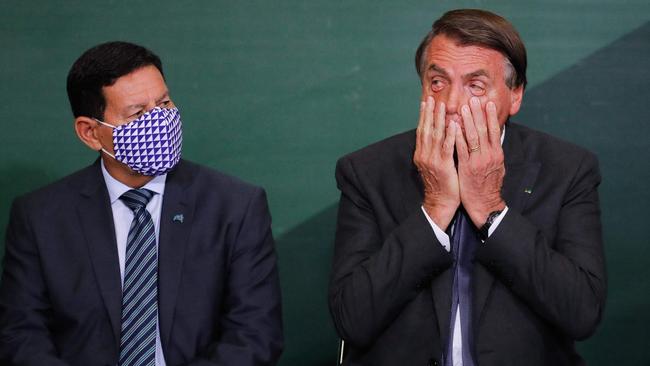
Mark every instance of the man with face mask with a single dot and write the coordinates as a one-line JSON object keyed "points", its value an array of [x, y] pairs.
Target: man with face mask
{"points": [[142, 258], [470, 240]]}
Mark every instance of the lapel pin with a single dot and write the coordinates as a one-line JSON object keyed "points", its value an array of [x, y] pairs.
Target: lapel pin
{"points": [[178, 218], [527, 190]]}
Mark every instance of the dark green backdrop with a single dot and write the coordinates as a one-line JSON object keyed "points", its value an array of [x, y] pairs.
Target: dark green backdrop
{"points": [[275, 91]]}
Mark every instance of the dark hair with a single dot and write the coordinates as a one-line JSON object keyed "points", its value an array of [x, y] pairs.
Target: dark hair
{"points": [[101, 66], [473, 27]]}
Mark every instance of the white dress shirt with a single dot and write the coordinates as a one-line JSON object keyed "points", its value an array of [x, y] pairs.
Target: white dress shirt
{"points": [[443, 238], [122, 217]]}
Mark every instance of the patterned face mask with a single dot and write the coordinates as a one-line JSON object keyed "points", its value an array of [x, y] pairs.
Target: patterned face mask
{"points": [[151, 144]]}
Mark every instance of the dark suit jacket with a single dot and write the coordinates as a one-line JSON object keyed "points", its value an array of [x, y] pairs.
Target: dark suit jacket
{"points": [[219, 296], [539, 279]]}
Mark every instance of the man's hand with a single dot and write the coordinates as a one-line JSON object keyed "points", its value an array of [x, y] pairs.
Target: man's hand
{"points": [[480, 161], [434, 150]]}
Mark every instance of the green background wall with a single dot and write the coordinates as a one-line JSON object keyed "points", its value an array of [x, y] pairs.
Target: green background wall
{"points": [[275, 91]]}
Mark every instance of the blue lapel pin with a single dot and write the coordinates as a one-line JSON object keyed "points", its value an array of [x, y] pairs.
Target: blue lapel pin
{"points": [[178, 218]]}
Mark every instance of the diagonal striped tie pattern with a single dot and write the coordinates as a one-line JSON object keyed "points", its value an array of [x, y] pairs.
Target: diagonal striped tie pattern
{"points": [[140, 288]]}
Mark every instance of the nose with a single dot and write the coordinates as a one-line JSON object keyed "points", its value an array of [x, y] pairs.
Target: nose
{"points": [[454, 99]]}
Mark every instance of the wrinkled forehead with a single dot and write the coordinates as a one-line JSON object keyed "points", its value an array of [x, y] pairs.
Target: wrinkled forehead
{"points": [[446, 51], [447, 54]]}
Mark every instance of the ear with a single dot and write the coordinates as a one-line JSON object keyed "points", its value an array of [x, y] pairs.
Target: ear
{"points": [[516, 95], [87, 131]]}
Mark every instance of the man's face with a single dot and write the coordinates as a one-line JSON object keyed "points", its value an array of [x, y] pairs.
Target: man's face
{"points": [[453, 74], [128, 98]]}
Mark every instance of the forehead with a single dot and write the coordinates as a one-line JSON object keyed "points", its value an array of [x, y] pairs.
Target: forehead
{"points": [[445, 53], [138, 87]]}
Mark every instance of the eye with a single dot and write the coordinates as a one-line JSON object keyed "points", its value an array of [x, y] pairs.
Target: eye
{"points": [[165, 103], [136, 115], [477, 87], [437, 84]]}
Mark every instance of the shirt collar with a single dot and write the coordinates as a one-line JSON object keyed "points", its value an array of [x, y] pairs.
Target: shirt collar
{"points": [[117, 188]]}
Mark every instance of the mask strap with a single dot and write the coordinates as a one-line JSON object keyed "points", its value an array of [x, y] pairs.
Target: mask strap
{"points": [[104, 123], [102, 149], [107, 153]]}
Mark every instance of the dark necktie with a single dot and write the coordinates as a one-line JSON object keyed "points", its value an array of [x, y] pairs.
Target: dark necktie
{"points": [[140, 288], [463, 245]]}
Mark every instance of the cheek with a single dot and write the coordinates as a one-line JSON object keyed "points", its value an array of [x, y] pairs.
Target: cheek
{"points": [[439, 96], [502, 102], [106, 138]]}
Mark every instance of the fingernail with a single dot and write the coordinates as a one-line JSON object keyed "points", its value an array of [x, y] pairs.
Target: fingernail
{"points": [[474, 101], [491, 105], [422, 104], [429, 99], [465, 108]]}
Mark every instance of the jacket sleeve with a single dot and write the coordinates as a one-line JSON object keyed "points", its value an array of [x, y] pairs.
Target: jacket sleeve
{"points": [[563, 278], [24, 305], [375, 276], [251, 319]]}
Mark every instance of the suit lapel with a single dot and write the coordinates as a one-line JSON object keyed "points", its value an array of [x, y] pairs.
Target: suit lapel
{"points": [[521, 174], [175, 224], [96, 219]]}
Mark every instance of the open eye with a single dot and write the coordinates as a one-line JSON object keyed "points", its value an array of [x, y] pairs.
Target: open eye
{"points": [[165, 103], [477, 88], [135, 115], [437, 84]]}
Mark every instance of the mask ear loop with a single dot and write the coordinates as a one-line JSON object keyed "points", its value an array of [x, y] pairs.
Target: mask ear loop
{"points": [[102, 148]]}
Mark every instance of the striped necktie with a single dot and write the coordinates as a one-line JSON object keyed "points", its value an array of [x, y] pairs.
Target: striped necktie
{"points": [[140, 288]]}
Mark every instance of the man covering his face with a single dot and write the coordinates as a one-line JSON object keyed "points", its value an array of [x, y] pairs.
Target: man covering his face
{"points": [[471, 240]]}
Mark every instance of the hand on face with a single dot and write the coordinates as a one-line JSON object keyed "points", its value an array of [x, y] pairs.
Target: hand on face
{"points": [[434, 159], [477, 181], [480, 161]]}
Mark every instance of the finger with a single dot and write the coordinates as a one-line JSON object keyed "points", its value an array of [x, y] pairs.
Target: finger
{"points": [[449, 142], [494, 129], [461, 145], [478, 115], [428, 124], [471, 136], [419, 130], [423, 150], [439, 123]]}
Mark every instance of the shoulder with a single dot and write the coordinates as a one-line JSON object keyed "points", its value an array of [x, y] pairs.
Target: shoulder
{"points": [[204, 176], [210, 183], [548, 149], [387, 155], [61, 194]]}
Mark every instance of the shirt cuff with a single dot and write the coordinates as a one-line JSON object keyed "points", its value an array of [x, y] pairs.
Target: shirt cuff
{"points": [[497, 221], [442, 237]]}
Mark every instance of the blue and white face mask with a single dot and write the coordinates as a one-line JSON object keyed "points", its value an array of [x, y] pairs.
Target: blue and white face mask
{"points": [[151, 144]]}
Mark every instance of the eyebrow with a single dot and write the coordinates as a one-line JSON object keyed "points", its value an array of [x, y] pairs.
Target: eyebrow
{"points": [[164, 96], [158, 100], [440, 70], [480, 72]]}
